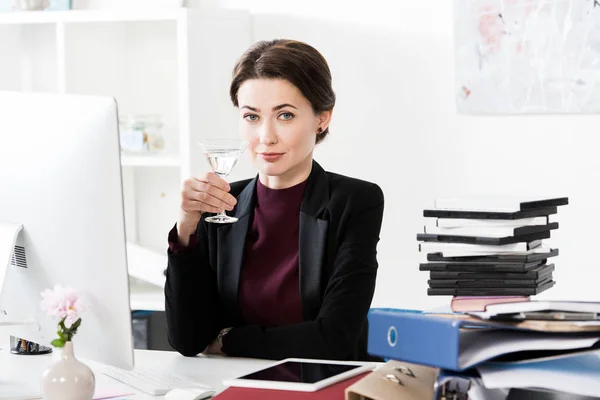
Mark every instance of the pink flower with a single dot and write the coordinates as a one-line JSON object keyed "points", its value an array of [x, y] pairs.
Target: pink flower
{"points": [[62, 302], [71, 318]]}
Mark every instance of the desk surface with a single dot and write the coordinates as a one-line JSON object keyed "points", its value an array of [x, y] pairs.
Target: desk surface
{"points": [[210, 370]]}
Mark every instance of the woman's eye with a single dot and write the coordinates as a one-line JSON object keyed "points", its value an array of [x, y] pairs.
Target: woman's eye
{"points": [[286, 116], [251, 117]]}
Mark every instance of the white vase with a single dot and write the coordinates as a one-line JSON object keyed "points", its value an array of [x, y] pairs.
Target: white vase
{"points": [[68, 378]]}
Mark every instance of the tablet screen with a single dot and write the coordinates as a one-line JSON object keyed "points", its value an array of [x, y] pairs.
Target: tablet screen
{"points": [[299, 372]]}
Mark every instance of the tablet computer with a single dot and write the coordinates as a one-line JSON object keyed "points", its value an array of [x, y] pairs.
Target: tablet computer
{"points": [[298, 374]]}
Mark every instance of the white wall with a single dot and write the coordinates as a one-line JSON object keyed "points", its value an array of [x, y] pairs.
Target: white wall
{"points": [[395, 123]]}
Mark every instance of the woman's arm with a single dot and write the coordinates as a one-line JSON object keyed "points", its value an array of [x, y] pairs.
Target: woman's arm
{"points": [[335, 331], [191, 296]]}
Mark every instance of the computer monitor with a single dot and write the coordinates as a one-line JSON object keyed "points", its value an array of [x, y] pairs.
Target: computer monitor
{"points": [[60, 178]]}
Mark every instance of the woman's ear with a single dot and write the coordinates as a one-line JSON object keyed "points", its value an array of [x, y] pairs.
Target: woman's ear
{"points": [[325, 119]]}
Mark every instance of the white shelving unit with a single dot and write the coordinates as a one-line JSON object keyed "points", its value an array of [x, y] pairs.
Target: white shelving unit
{"points": [[150, 161], [96, 15], [173, 62]]}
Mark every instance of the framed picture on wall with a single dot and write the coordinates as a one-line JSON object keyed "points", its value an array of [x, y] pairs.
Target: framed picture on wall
{"points": [[527, 56]]}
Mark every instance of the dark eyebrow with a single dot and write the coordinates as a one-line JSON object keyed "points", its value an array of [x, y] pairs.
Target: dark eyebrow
{"points": [[279, 107]]}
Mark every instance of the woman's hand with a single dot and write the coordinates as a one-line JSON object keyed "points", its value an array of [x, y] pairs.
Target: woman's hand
{"points": [[216, 347], [204, 193]]}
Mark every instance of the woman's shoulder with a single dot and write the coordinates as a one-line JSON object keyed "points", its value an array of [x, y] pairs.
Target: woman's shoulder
{"points": [[342, 185]]}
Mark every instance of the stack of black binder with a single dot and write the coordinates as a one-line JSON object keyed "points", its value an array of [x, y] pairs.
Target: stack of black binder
{"points": [[489, 246]]}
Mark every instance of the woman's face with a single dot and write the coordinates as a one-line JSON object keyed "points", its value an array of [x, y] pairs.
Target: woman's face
{"points": [[279, 125]]}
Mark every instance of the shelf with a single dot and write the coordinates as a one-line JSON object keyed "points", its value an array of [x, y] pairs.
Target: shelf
{"points": [[77, 16], [146, 278], [149, 161], [146, 265], [152, 61], [146, 297]]}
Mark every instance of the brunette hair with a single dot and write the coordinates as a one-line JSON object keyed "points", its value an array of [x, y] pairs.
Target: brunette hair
{"points": [[296, 62]]}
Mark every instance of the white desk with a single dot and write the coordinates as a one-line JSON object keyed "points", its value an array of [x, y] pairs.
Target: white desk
{"points": [[210, 370]]}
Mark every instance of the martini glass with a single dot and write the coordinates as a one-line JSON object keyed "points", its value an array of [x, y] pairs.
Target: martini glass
{"points": [[222, 155]]}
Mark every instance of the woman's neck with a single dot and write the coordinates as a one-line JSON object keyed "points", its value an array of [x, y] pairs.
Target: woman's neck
{"points": [[290, 178]]}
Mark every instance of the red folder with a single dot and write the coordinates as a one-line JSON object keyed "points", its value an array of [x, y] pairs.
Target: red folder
{"points": [[333, 392]]}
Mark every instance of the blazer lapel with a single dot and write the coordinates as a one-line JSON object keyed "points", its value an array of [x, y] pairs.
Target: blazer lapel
{"points": [[313, 236], [231, 239]]}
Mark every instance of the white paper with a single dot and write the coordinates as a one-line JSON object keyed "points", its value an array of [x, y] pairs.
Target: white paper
{"points": [[433, 247], [466, 253], [479, 392], [577, 374], [463, 223], [487, 231], [586, 323], [530, 306], [478, 345]]}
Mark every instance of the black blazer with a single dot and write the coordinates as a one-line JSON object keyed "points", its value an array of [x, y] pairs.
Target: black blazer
{"points": [[340, 221]]}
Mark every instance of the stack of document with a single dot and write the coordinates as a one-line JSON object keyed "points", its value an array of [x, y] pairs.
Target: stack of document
{"points": [[529, 346], [489, 245]]}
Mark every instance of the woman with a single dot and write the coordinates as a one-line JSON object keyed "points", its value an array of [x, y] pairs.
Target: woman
{"points": [[295, 275]]}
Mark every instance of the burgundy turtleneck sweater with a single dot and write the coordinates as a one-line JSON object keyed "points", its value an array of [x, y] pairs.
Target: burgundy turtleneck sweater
{"points": [[269, 288]]}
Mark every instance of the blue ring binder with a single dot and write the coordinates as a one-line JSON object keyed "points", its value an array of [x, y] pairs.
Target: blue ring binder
{"points": [[392, 336]]}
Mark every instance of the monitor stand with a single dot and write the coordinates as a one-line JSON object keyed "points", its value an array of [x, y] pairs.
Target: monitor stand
{"points": [[9, 232]]}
